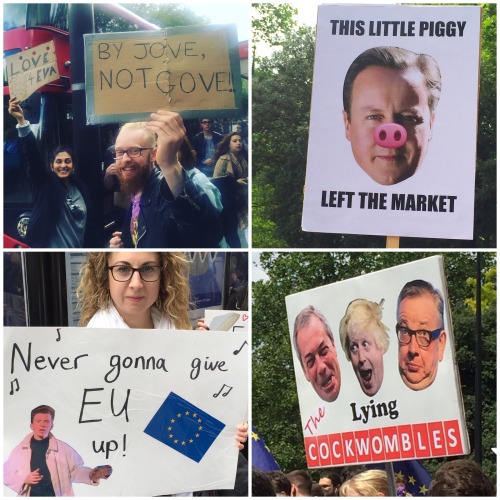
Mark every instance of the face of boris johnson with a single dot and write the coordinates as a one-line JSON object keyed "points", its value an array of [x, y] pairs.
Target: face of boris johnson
{"points": [[383, 96], [418, 365], [366, 358], [318, 357]]}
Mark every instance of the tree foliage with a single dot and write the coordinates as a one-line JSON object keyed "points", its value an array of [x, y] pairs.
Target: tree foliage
{"points": [[275, 409], [282, 86]]}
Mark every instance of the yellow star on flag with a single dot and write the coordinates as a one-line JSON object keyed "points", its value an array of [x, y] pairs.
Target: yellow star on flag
{"points": [[423, 489], [255, 436], [412, 480], [399, 475]]}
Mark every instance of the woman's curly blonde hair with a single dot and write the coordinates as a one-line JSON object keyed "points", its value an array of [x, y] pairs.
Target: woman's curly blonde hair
{"points": [[174, 300]]}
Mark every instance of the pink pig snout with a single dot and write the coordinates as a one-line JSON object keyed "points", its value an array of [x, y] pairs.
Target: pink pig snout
{"points": [[390, 135]]}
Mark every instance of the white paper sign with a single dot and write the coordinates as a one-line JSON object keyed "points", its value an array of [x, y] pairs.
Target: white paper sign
{"points": [[359, 404], [111, 389], [232, 321], [383, 63]]}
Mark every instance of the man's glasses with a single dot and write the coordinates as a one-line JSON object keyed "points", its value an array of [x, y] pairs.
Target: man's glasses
{"points": [[423, 337], [132, 153], [206, 122], [125, 273]]}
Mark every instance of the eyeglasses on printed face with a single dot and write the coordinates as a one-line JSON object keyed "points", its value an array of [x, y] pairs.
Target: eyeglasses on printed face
{"points": [[122, 273], [423, 337], [132, 152]]}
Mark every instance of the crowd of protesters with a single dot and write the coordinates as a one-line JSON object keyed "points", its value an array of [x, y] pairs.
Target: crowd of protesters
{"points": [[455, 478], [163, 186]]}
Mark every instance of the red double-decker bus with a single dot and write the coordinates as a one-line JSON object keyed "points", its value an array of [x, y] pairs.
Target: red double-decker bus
{"points": [[50, 108]]}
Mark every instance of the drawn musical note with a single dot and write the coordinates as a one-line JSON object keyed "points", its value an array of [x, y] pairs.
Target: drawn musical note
{"points": [[12, 386], [58, 334], [225, 393], [239, 350]]}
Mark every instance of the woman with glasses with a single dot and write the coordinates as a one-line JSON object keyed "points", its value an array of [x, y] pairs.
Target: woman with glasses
{"points": [[63, 214], [139, 290]]}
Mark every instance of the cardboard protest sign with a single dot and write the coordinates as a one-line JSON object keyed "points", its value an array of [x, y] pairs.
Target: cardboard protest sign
{"points": [[31, 69], [192, 70], [118, 396], [378, 392], [392, 138], [232, 321]]}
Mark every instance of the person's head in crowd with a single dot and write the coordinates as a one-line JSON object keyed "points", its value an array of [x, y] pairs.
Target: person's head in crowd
{"points": [[62, 162], [370, 483], [315, 347], [350, 471], [261, 484], [390, 85], [135, 154], [281, 484], [42, 421], [207, 125], [329, 481], [317, 490], [365, 340], [421, 333], [153, 279], [301, 483], [461, 478], [232, 143]]}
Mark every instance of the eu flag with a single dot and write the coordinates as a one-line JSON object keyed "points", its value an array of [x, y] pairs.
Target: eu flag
{"points": [[410, 473], [184, 427], [262, 458]]}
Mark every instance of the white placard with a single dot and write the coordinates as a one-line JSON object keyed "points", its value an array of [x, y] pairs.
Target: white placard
{"points": [[107, 385], [425, 187], [387, 416]]}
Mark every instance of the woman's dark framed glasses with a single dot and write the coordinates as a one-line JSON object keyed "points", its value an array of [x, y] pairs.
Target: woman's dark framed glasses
{"points": [[123, 273]]}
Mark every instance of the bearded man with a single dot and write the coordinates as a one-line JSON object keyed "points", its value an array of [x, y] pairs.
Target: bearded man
{"points": [[167, 209]]}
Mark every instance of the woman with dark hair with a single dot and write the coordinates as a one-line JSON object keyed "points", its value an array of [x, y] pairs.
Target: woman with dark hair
{"points": [[63, 214], [232, 170]]}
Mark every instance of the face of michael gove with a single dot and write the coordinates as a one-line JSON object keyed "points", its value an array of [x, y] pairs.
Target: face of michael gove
{"points": [[384, 95], [319, 359]]}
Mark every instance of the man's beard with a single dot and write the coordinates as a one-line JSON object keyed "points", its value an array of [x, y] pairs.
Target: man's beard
{"points": [[135, 184]]}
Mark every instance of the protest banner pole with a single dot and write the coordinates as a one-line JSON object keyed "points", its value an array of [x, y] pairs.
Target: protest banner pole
{"points": [[392, 242], [478, 413], [391, 480]]}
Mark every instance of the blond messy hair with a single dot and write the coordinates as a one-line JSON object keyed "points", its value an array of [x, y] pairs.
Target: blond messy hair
{"points": [[174, 299], [370, 483], [150, 136]]}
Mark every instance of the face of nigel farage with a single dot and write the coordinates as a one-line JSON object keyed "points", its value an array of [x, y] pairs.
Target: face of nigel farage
{"points": [[418, 365], [41, 425], [383, 95], [366, 358], [319, 359], [134, 172]]}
